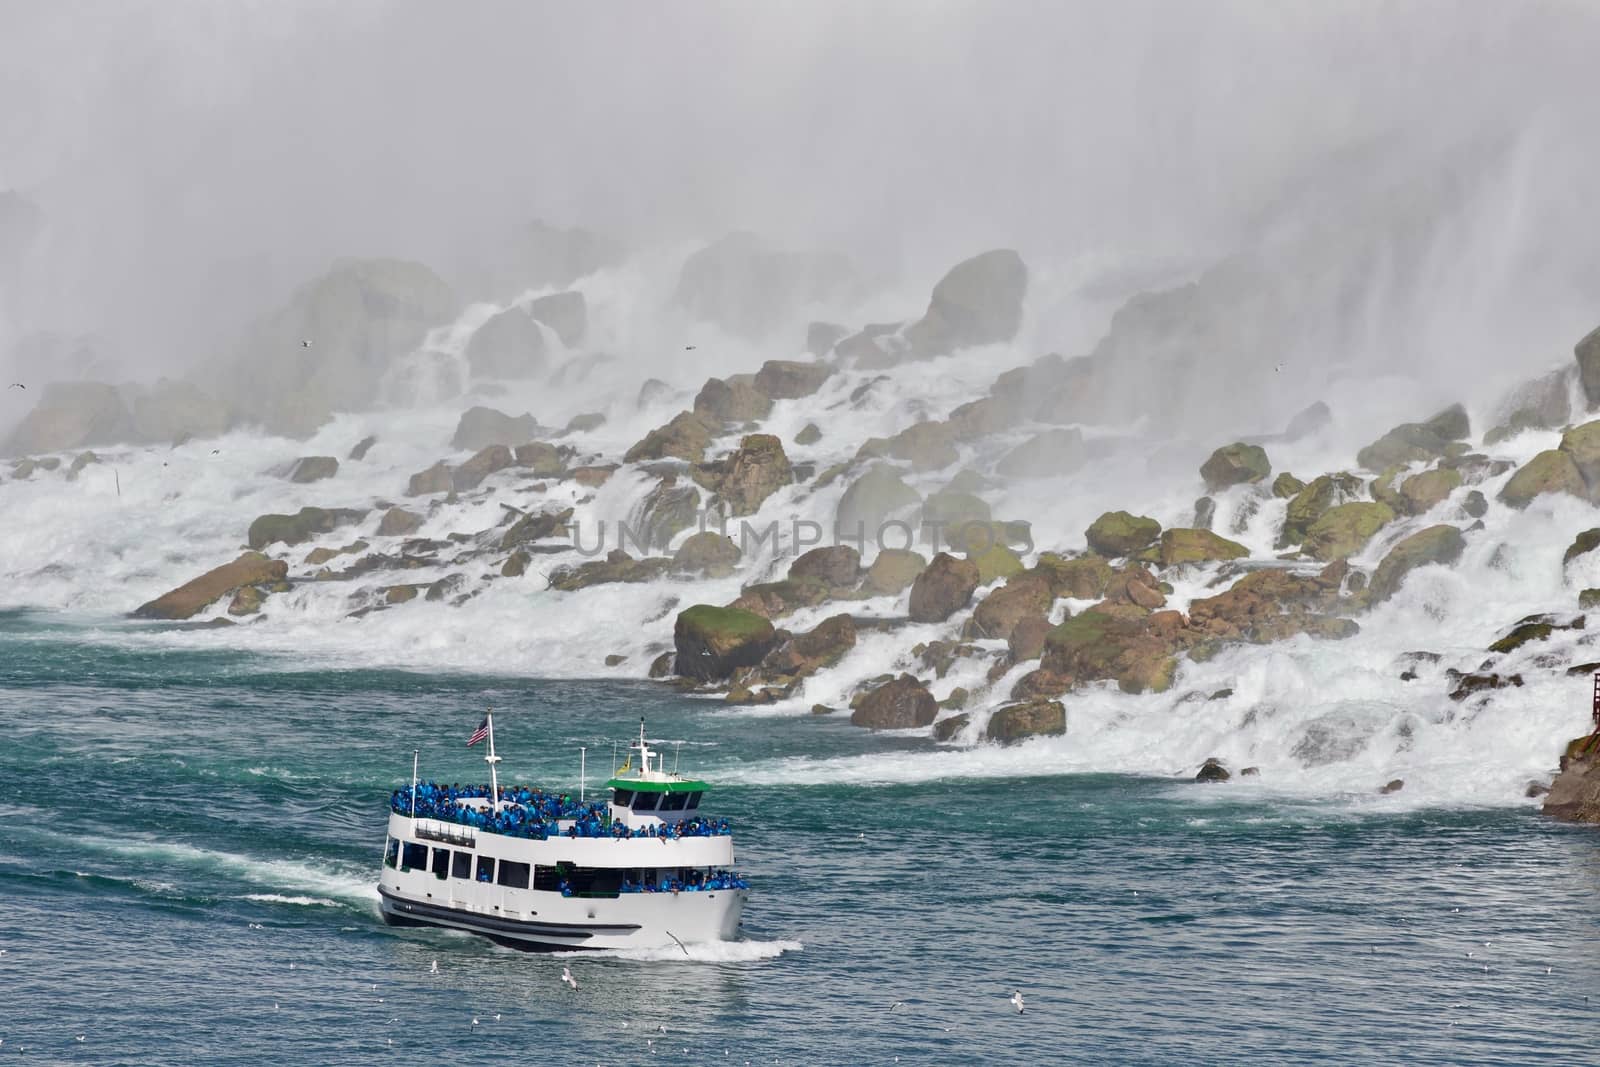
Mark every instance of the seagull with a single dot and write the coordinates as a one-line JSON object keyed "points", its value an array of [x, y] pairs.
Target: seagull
{"points": [[18, 385], [82, 1036], [305, 344], [496, 1016], [291, 966], [688, 348], [661, 1029], [474, 1020], [1016, 1001], [216, 451], [897, 1004], [435, 968], [566, 976]]}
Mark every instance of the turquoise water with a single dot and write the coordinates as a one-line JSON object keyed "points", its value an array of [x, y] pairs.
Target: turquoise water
{"points": [[188, 845]]}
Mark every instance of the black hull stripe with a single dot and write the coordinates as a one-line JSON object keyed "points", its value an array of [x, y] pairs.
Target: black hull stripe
{"points": [[406, 908]]}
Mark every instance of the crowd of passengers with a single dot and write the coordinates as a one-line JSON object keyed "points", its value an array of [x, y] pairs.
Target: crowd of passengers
{"points": [[693, 882], [534, 814]]}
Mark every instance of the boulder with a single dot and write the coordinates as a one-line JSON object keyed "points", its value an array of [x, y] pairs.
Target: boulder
{"points": [[541, 458], [754, 472], [1308, 421], [956, 518], [687, 436], [1041, 684], [653, 391], [1084, 578], [72, 415], [901, 704], [1286, 486], [1344, 530], [1025, 596], [1027, 638], [247, 601], [1436, 544], [1587, 352], [304, 525], [943, 589], [566, 313], [1099, 645], [618, 566], [712, 642], [170, 411], [398, 522], [773, 600], [665, 512], [893, 571], [1309, 504], [877, 344], [445, 587], [978, 302], [594, 476], [313, 469], [363, 446], [1421, 492], [995, 562], [1475, 504], [946, 729], [807, 653], [1451, 424], [731, 401], [1467, 685], [869, 501], [1582, 443], [436, 479], [516, 565], [1045, 455], [479, 427], [484, 462], [1018, 722], [1235, 464], [192, 597], [927, 446], [1119, 533], [1575, 794], [79, 462], [1212, 770], [1411, 442], [535, 526], [808, 435], [1196, 546], [1582, 545], [1551, 471], [837, 566], [787, 379], [508, 345], [1543, 403], [822, 336], [706, 553]]}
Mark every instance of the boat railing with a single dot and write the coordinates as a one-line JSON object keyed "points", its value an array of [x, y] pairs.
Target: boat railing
{"points": [[448, 833]]}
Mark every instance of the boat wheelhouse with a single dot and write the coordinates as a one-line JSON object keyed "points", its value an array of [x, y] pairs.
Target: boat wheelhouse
{"points": [[538, 870]]}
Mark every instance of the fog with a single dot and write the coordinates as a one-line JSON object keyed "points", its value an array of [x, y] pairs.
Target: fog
{"points": [[188, 164]]}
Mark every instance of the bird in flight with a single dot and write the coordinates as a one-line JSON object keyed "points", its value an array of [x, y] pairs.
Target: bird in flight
{"points": [[1016, 1001], [305, 344], [688, 348], [566, 976], [18, 385]]}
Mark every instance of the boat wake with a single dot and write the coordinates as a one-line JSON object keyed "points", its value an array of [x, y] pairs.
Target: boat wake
{"points": [[700, 952]]}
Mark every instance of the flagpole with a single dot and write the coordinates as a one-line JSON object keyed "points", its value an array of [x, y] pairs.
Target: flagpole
{"points": [[414, 753], [491, 759], [583, 770]]}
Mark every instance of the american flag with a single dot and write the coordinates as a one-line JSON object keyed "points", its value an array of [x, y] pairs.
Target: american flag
{"points": [[480, 733]]}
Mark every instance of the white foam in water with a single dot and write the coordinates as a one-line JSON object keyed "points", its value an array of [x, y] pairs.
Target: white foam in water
{"points": [[699, 952], [301, 881], [279, 898]]}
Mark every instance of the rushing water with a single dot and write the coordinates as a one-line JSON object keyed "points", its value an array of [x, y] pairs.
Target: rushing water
{"points": [[190, 841]]}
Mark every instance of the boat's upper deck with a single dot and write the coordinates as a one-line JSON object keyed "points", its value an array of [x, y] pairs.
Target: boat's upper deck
{"points": [[532, 813]]}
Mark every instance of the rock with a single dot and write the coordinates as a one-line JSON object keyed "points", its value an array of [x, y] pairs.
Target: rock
{"points": [[1205, 512], [815, 649], [1475, 505], [615, 660], [1025, 596], [363, 446], [1533, 628], [1085, 578], [1045, 455], [587, 422], [978, 302], [785, 379], [1551, 471], [247, 601], [1118, 533], [72, 415], [653, 391], [837, 566], [79, 462], [1466, 685], [893, 571], [189, 599], [712, 642], [1451, 424], [709, 554], [445, 587], [313, 469], [535, 526], [1309, 505], [869, 501], [508, 345], [943, 589], [946, 729], [1583, 444], [1394, 785], [960, 519], [754, 472], [1285, 486], [1543, 403], [1311, 420], [1410, 442], [822, 336], [1344, 530], [1582, 545], [1589, 599], [592, 477], [995, 562], [398, 522], [438, 478], [566, 313], [1018, 722], [731, 401], [516, 565], [304, 525], [661, 666], [686, 437], [1235, 464], [1027, 638], [1587, 352], [617, 567], [1099, 645], [479, 427], [1196, 546], [541, 458], [808, 435], [901, 704], [1422, 491], [927, 446], [773, 600], [483, 463], [1436, 544], [1575, 794], [318, 556], [1212, 770]]}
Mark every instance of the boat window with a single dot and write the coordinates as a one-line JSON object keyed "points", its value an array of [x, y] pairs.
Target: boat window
{"points": [[485, 868], [441, 863], [461, 866], [694, 800], [414, 856], [622, 797], [594, 881], [645, 802], [514, 874], [549, 878], [673, 801], [391, 853]]}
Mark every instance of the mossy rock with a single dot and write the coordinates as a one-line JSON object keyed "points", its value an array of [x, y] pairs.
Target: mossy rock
{"points": [[712, 642], [870, 500], [809, 435], [1551, 471], [1589, 599], [304, 525], [997, 562], [1344, 530], [1582, 545], [1235, 464], [893, 571], [1196, 546], [1411, 442], [1286, 485], [947, 514], [1436, 544], [1423, 491], [1521, 635], [1085, 578], [1582, 443], [1309, 504], [1120, 533], [1018, 722]]}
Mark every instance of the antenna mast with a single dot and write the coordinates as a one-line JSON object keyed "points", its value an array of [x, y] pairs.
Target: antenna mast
{"points": [[491, 759]]}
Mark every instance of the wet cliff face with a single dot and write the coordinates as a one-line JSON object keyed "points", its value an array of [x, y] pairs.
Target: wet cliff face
{"points": [[1575, 794]]}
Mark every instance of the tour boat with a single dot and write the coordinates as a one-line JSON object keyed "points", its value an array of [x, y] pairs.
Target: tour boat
{"points": [[535, 870]]}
